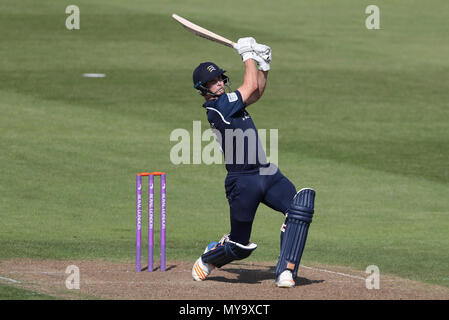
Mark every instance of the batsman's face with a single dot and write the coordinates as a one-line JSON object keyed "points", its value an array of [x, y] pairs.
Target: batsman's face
{"points": [[216, 85]]}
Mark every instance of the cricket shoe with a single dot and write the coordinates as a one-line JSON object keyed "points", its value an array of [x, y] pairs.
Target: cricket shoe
{"points": [[285, 280], [201, 270]]}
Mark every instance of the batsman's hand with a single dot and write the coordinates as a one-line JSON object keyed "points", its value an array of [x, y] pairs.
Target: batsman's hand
{"points": [[244, 47], [263, 51], [263, 65]]}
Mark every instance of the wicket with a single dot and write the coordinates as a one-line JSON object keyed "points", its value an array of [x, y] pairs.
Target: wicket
{"points": [[150, 219]]}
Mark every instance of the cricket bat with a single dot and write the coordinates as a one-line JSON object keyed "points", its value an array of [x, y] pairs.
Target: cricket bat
{"points": [[201, 32]]}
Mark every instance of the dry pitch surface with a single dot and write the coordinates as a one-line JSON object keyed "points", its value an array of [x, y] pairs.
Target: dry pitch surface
{"points": [[236, 281]]}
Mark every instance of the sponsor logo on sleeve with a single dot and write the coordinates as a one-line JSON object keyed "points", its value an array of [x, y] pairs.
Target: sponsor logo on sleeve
{"points": [[232, 97]]}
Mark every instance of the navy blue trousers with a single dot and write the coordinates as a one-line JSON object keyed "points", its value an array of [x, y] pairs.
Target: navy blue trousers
{"points": [[246, 190]]}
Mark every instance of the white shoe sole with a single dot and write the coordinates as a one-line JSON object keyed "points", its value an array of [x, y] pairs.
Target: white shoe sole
{"points": [[286, 284], [285, 280]]}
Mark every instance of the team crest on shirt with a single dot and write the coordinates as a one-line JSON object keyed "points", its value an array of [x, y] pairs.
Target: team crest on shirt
{"points": [[232, 96]]}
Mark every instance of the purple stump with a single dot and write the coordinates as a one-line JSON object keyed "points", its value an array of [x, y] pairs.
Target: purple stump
{"points": [[138, 220], [163, 222], [150, 221]]}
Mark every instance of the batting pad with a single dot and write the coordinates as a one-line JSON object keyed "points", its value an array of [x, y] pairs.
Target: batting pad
{"points": [[299, 217], [227, 252]]}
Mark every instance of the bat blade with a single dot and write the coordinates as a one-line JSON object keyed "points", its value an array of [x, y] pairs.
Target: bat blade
{"points": [[201, 32]]}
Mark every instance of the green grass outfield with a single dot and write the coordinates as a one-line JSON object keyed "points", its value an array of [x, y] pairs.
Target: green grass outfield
{"points": [[14, 293], [362, 116]]}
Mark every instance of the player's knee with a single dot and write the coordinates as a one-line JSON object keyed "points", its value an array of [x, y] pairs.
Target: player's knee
{"points": [[302, 206]]}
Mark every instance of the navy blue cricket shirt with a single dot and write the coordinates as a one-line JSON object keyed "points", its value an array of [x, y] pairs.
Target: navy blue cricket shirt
{"points": [[236, 132]]}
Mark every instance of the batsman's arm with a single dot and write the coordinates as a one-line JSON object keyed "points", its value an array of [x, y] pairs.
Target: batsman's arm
{"points": [[250, 81], [261, 83]]}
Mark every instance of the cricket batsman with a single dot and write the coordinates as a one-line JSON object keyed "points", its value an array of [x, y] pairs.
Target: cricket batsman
{"points": [[250, 179]]}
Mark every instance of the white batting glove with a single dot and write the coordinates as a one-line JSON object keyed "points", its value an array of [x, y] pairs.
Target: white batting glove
{"points": [[244, 47], [263, 51], [263, 65]]}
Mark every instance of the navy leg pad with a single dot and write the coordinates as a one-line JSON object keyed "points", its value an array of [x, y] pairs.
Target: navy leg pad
{"points": [[299, 217], [227, 252]]}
